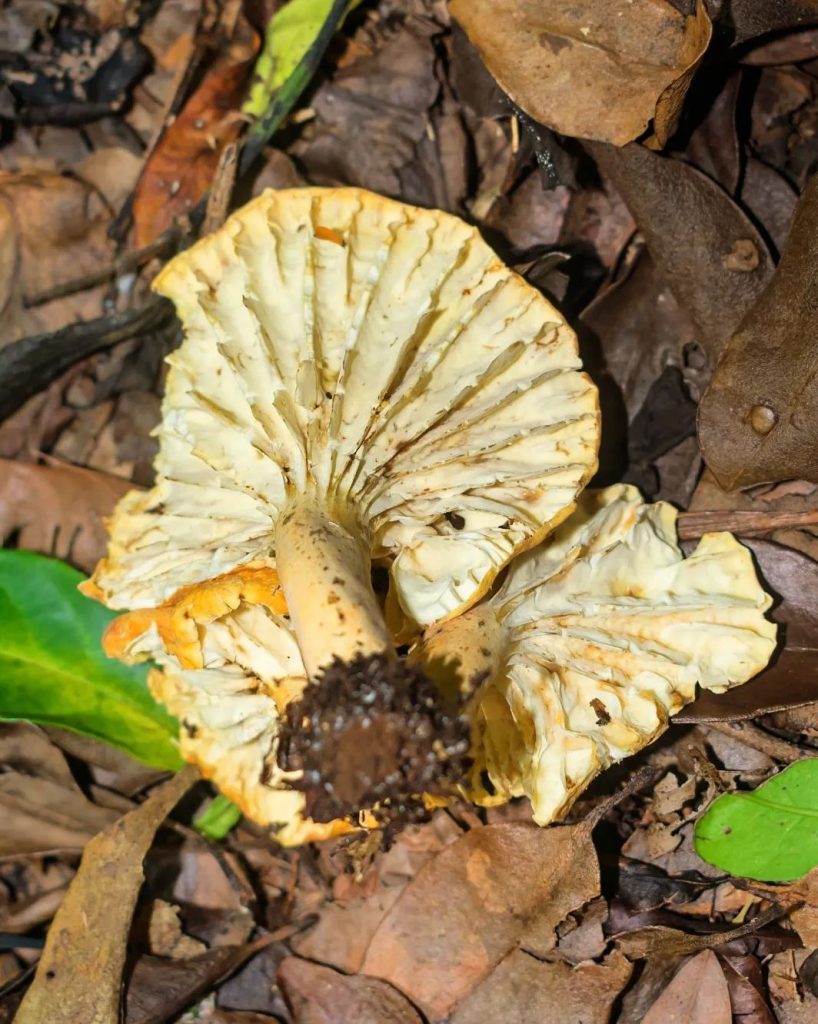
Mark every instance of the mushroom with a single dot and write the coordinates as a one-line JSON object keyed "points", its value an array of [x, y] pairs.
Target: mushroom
{"points": [[360, 381], [592, 642]]}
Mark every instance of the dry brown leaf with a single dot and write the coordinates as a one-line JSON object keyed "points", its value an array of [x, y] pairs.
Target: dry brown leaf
{"points": [[181, 168], [745, 981], [52, 230], [758, 419], [524, 989], [793, 1002], [42, 808], [601, 70], [698, 994], [320, 995], [159, 989], [58, 510], [694, 232], [498, 888], [79, 975]]}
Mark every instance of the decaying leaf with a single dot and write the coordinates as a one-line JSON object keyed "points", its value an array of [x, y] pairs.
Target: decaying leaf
{"points": [[767, 834], [181, 168], [698, 994], [600, 70], [524, 988], [712, 256], [758, 419], [79, 975], [58, 510], [52, 230], [499, 888], [320, 995], [42, 807]]}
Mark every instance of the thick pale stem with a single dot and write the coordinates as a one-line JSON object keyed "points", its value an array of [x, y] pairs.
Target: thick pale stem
{"points": [[461, 653], [324, 570]]}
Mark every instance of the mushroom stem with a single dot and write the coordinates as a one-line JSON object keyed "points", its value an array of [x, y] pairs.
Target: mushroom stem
{"points": [[324, 571], [461, 653]]}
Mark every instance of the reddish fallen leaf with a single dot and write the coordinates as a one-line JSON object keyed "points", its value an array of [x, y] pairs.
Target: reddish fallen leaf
{"points": [[758, 419], [524, 989], [698, 994], [712, 256], [181, 168], [58, 510], [593, 71], [320, 995], [499, 888], [745, 982]]}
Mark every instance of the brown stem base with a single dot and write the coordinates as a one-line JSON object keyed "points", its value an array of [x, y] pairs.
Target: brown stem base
{"points": [[371, 734]]}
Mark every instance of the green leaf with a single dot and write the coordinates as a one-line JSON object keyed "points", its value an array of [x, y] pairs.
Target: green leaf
{"points": [[770, 834], [219, 818], [53, 670], [290, 33]]}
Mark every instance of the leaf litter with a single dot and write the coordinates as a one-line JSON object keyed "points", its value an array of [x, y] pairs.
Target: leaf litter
{"points": [[665, 252]]}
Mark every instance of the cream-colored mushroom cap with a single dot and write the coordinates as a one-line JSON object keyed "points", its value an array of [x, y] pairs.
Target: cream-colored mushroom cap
{"points": [[593, 641], [354, 368]]}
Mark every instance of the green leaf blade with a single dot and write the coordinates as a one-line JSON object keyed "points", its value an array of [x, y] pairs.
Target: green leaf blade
{"points": [[290, 33], [769, 834], [220, 818], [53, 670]]}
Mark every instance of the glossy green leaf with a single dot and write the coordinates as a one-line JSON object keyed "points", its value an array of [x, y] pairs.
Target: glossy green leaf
{"points": [[220, 818], [290, 33], [53, 670], [769, 834]]}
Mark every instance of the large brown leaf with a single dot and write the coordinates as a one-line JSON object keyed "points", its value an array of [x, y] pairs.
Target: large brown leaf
{"points": [[711, 254], [792, 678], [598, 69], [320, 995], [524, 989], [698, 994], [79, 975], [499, 888], [758, 419]]}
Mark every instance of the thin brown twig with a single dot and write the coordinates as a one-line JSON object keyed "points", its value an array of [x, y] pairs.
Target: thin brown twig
{"points": [[122, 265], [692, 525], [758, 739]]}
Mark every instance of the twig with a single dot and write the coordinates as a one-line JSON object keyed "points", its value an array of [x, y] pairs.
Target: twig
{"points": [[693, 524], [758, 739], [29, 365], [128, 261], [218, 200]]}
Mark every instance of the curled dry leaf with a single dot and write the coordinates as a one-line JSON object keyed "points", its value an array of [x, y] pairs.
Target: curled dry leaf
{"points": [[698, 994], [79, 975], [696, 235], [601, 70], [320, 995], [58, 510], [758, 419], [497, 889]]}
